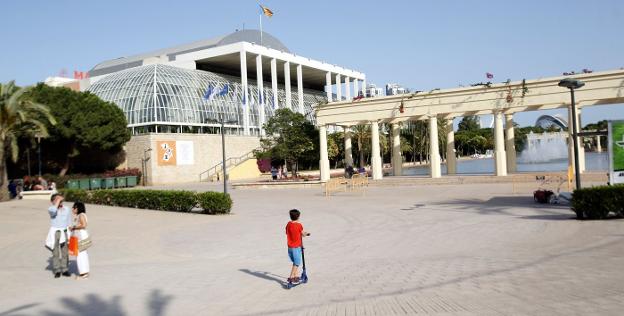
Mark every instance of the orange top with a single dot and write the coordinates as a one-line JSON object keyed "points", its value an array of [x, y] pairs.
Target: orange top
{"points": [[293, 234]]}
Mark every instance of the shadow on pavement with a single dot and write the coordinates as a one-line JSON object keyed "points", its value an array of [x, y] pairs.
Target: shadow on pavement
{"points": [[13, 311], [93, 304], [502, 206], [265, 275]]}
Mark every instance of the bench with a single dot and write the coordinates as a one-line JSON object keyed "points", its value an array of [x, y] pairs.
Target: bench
{"points": [[36, 195]]}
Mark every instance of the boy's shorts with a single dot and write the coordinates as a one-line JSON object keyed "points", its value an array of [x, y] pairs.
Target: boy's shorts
{"points": [[295, 255]]}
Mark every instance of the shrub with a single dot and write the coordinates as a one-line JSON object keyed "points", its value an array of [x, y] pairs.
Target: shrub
{"points": [[176, 201], [598, 202], [214, 202]]}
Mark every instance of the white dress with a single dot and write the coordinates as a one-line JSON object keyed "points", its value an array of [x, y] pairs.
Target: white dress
{"points": [[82, 260]]}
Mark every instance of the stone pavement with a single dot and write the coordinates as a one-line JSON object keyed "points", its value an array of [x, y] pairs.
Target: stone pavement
{"points": [[442, 250]]}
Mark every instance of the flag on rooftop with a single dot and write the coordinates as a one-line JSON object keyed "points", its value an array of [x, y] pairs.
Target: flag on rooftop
{"points": [[212, 91], [266, 11], [489, 75]]}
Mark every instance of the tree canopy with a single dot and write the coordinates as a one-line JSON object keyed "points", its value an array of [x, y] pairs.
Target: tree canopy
{"points": [[469, 123], [87, 126]]}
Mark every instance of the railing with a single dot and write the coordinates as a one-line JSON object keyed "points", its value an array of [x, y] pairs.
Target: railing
{"points": [[209, 174]]}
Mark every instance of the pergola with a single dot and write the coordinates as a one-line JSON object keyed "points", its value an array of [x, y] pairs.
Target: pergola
{"points": [[501, 100]]}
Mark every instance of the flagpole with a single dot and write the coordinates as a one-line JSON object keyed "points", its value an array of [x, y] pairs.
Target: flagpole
{"points": [[260, 29]]}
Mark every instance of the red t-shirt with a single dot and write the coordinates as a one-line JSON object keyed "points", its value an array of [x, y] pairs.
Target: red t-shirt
{"points": [[293, 234]]}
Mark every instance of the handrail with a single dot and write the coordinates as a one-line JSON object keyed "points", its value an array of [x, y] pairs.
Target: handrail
{"points": [[232, 161]]}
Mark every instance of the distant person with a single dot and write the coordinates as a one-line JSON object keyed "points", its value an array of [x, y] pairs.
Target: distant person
{"points": [[362, 170], [58, 237], [273, 173], [42, 182], [27, 183], [79, 229], [12, 189], [52, 186], [349, 172], [294, 235]]}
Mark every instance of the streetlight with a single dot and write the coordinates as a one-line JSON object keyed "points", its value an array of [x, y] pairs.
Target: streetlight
{"points": [[144, 163], [573, 84], [222, 122], [39, 151]]}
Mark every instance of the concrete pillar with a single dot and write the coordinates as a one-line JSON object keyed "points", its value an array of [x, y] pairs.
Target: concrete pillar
{"points": [[397, 160], [579, 127], [364, 87], [324, 162], [348, 88], [287, 85], [328, 88], [376, 152], [356, 89], [451, 158], [499, 145], [261, 101], [338, 88], [510, 144], [244, 86], [274, 83], [300, 108], [348, 147], [598, 144], [434, 149]]}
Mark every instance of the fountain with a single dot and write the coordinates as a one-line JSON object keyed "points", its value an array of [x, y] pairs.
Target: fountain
{"points": [[545, 147]]}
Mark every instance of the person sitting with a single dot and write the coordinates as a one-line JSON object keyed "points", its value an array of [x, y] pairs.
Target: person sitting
{"points": [[12, 189], [349, 172]]}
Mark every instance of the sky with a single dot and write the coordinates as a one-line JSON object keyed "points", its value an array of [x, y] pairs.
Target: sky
{"points": [[421, 45]]}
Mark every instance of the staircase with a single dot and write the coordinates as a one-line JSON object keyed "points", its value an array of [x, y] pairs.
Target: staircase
{"points": [[215, 173]]}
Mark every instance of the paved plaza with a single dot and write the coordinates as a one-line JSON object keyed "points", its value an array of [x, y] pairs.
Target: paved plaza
{"points": [[440, 249]]}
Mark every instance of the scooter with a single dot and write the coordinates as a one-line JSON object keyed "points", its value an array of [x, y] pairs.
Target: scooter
{"points": [[304, 275]]}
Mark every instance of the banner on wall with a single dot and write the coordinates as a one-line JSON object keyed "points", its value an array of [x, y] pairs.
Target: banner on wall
{"points": [[175, 153], [616, 151]]}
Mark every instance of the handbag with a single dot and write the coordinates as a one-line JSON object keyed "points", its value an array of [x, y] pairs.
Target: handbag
{"points": [[73, 247], [85, 244]]}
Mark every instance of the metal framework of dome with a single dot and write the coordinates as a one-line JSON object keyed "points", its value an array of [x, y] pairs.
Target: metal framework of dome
{"points": [[163, 98]]}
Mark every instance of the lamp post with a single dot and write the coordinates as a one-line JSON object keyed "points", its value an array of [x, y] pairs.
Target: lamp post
{"points": [[39, 152], [222, 121], [573, 84]]}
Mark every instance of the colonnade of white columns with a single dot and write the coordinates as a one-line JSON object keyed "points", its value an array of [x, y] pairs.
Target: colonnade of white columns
{"points": [[343, 87]]}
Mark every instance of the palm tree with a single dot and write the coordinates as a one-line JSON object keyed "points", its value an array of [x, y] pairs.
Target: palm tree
{"points": [[362, 134], [19, 116]]}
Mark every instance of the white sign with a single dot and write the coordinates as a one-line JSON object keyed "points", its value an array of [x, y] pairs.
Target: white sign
{"points": [[184, 149]]}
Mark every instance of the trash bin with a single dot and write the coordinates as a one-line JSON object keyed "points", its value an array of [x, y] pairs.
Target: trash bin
{"points": [[72, 184], [120, 182], [83, 184], [95, 183], [108, 183], [131, 181]]}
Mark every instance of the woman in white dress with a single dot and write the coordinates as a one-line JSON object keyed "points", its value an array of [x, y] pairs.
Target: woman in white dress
{"points": [[80, 230]]}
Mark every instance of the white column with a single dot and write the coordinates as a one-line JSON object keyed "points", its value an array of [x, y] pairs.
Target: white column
{"points": [[499, 145], [300, 108], [434, 149], [598, 144], [376, 152], [324, 162], [364, 87], [287, 85], [510, 143], [579, 127], [260, 81], [356, 88], [451, 159], [328, 88], [243, 65], [274, 82], [348, 147], [397, 160], [348, 88], [338, 88]]}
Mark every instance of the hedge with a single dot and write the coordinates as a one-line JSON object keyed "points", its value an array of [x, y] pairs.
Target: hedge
{"points": [[163, 200], [598, 202]]}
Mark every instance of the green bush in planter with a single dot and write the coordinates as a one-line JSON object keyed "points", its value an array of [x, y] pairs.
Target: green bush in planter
{"points": [[214, 202], [598, 202]]}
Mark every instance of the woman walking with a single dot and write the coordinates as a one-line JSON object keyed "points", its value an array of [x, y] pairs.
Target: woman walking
{"points": [[80, 230]]}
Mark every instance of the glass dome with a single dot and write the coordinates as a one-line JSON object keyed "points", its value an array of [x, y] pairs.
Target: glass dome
{"points": [[162, 98]]}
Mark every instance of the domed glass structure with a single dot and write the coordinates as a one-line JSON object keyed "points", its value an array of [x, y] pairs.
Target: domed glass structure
{"points": [[163, 98]]}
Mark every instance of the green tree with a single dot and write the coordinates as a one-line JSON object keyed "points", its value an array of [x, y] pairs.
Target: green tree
{"points": [[290, 137], [469, 123], [335, 147], [362, 135], [19, 116], [87, 125]]}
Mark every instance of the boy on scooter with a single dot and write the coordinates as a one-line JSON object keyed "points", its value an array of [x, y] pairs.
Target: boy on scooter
{"points": [[294, 233]]}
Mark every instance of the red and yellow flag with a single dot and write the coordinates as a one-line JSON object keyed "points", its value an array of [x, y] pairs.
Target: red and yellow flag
{"points": [[266, 11]]}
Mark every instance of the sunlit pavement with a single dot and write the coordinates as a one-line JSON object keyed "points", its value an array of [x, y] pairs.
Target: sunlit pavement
{"points": [[452, 249]]}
